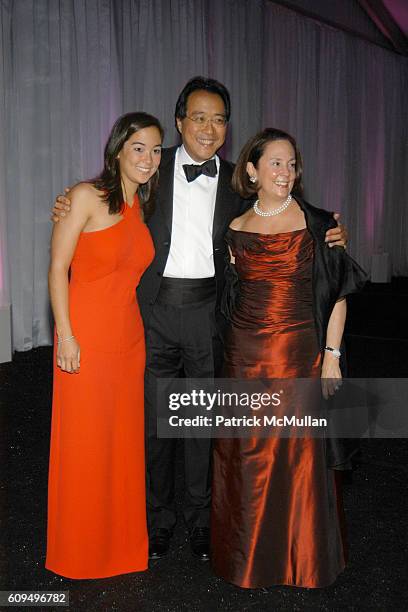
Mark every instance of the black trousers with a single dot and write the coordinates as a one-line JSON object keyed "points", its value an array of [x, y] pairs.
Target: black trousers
{"points": [[181, 340]]}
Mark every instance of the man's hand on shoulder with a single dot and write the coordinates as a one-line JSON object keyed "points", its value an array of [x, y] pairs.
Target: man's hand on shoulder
{"points": [[337, 236], [62, 206]]}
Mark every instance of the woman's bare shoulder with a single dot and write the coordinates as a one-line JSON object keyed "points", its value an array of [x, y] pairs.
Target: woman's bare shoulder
{"points": [[84, 190], [85, 195]]}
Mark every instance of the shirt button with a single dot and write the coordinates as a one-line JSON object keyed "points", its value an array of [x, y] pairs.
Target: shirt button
{"points": [[166, 243]]}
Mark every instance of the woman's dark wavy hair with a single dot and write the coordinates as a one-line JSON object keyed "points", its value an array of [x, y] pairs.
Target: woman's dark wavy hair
{"points": [[253, 151], [109, 181], [200, 83]]}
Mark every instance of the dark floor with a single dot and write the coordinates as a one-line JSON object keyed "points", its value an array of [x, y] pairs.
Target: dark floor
{"points": [[376, 498]]}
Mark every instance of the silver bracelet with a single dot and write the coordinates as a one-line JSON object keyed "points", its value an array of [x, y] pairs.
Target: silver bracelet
{"points": [[60, 341], [335, 352]]}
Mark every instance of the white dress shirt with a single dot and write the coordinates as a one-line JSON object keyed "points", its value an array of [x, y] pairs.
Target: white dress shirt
{"points": [[191, 249]]}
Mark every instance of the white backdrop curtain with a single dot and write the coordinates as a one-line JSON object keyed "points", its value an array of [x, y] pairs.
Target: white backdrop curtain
{"points": [[161, 45], [5, 77], [346, 102], [70, 67], [235, 31]]}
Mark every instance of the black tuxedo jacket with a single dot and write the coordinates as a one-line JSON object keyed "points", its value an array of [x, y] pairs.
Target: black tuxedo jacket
{"points": [[228, 205]]}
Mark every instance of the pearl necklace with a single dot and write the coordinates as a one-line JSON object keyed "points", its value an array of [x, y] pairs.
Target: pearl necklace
{"points": [[275, 211]]}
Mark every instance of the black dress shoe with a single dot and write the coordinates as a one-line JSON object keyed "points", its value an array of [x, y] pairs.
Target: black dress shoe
{"points": [[159, 543], [200, 543]]}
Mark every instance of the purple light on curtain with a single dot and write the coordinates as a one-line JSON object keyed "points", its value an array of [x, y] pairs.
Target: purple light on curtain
{"points": [[374, 209]]}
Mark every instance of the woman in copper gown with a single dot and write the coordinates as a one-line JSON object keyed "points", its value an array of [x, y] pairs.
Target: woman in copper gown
{"points": [[275, 512], [96, 493]]}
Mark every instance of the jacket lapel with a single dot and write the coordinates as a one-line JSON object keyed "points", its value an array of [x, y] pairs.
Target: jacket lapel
{"points": [[166, 185], [225, 197]]}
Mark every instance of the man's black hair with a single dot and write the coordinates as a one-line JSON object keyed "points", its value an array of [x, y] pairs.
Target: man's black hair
{"points": [[198, 83]]}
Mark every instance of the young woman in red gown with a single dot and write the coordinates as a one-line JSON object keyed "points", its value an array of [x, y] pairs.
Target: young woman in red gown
{"points": [[96, 494], [275, 512]]}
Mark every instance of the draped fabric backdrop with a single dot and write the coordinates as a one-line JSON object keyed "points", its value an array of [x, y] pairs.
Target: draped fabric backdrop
{"points": [[4, 84], [70, 67]]}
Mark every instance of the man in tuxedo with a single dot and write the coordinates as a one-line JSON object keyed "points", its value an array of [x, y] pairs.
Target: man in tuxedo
{"points": [[178, 295], [179, 298]]}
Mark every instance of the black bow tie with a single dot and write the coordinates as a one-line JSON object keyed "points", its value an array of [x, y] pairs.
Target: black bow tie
{"points": [[192, 171]]}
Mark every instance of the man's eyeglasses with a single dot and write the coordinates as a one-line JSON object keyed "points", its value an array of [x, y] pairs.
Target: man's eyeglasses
{"points": [[201, 120]]}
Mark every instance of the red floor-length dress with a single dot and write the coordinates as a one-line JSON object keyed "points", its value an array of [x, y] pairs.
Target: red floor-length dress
{"points": [[96, 495], [274, 508]]}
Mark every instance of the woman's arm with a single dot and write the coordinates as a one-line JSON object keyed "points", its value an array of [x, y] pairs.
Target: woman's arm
{"points": [[63, 243], [331, 373]]}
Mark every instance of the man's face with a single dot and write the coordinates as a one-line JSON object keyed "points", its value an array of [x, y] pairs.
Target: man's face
{"points": [[203, 130]]}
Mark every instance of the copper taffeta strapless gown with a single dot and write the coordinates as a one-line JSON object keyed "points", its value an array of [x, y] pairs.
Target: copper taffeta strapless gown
{"points": [[274, 510], [96, 495]]}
